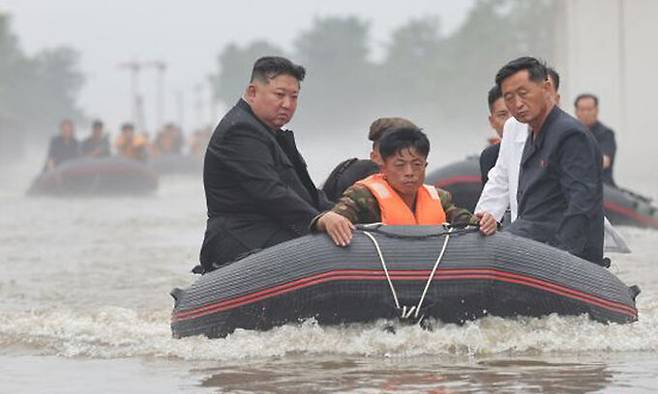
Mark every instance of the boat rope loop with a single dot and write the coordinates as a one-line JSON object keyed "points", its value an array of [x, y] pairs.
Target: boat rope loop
{"points": [[381, 259], [410, 313]]}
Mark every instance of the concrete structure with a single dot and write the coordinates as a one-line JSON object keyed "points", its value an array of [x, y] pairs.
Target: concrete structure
{"points": [[607, 47]]}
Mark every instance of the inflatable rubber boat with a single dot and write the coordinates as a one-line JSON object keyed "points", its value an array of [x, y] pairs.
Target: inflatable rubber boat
{"points": [[622, 207], [102, 176], [395, 272]]}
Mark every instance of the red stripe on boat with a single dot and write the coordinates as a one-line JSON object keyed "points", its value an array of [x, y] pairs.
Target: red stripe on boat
{"points": [[458, 179], [416, 275], [631, 213]]}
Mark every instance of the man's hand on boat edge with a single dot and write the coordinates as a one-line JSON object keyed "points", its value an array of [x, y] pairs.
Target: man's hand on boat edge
{"points": [[488, 223], [337, 226], [340, 229]]}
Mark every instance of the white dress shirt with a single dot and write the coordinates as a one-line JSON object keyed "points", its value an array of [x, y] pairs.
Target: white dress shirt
{"points": [[499, 192]]}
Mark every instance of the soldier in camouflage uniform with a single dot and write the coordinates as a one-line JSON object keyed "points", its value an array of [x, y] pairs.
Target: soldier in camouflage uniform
{"points": [[404, 159]]}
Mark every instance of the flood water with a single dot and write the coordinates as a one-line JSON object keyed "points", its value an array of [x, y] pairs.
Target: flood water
{"points": [[84, 285]]}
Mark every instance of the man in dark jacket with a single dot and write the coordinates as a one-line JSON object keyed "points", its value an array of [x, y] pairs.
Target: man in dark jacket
{"points": [[62, 147], [97, 144], [560, 191], [258, 190], [587, 111]]}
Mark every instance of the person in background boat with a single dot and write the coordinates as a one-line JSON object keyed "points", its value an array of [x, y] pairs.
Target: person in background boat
{"points": [[498, 114], [587, 111], [179, 141], [560, 195], [144, 138], [500, 191], [198, 142], [97, 144], [129, 145], [258, 190], [169, 141], [62, 147], [352, 170], [397, 195]]}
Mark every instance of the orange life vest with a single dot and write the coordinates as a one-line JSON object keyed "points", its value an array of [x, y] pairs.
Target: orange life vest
{"points": [[394, 210]]}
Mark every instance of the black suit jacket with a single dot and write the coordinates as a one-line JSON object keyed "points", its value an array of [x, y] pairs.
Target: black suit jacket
{"points": [[606, 140], [258, 190], [560, 190]]}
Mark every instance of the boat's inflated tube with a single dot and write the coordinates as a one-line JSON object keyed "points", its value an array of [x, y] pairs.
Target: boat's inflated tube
{"points": [[310, 277]]}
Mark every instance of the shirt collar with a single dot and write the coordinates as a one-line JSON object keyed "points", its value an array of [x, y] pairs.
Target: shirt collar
{"points": [[552, 116]]}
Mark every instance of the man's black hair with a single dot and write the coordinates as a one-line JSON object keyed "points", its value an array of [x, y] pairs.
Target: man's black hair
{"points": [[554, 76], [269, 67], [493, 95], [402, 138], [536, 69], [97, 124], [586, 96]]}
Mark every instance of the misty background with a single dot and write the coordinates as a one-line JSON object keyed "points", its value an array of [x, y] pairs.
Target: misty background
{"points": [[430, 61]]}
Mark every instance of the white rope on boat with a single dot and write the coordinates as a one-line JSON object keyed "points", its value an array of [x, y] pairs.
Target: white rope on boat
{"points": [[406, 313], [381, 258], [436, 265]]}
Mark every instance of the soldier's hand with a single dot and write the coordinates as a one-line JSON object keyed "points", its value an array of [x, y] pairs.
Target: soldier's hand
{"points": [[337, 226], [488, 224]]}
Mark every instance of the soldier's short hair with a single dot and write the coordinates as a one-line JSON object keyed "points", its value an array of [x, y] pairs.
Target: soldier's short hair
{"points": [[402, 138]]}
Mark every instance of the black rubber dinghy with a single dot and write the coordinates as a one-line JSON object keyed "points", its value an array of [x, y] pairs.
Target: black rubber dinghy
{"points": [[103, 176], [310, 277], [622, 207]]}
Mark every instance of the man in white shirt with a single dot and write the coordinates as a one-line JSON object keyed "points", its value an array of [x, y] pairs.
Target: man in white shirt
{"points": [[498, 115], [499, 193]]}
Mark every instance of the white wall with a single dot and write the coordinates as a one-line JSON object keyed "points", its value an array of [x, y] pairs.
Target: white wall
{"points": [[610, 48]]}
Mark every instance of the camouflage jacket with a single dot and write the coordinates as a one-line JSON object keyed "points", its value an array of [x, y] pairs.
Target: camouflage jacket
{"points": [[359, 205]]}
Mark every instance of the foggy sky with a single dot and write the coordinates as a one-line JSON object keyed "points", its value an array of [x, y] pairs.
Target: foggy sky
{"points": [[188, 36]]}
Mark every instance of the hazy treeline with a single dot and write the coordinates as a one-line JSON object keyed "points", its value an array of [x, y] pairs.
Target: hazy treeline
{"points": [[36, 92], [439, 80]]}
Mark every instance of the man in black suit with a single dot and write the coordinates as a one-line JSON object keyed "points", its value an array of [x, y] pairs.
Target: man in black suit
{"points": [[560, 191], [258, 190], [587, 111]]}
